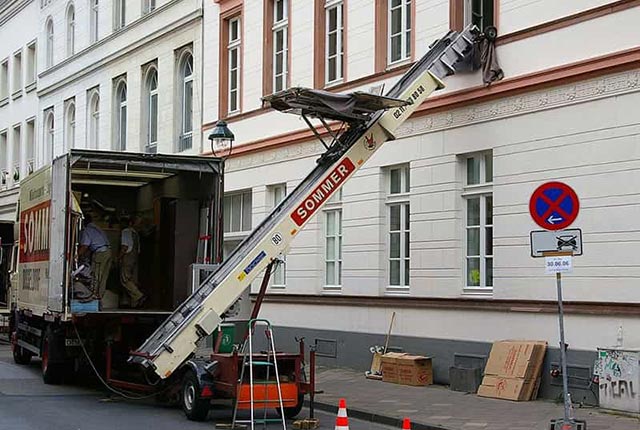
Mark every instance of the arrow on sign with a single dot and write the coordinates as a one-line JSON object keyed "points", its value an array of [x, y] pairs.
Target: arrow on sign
{"points": [[552, 220]]}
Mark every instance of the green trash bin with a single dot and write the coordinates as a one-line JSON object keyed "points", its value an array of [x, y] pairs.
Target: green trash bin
{"points": [[228, 337]]}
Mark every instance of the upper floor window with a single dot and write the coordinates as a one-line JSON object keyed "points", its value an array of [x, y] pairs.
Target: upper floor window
{"points": [[399, 229], [31, 63], [49, 47], [93, 118], [49, 131], [334, 55], [277, 193], [121, 115], [70, 125], [479, 13], [17, 71], [93, 24], [399, 25], [71, 29], [120, 14], [15, 152], [237, 212], [4, 159], [148, 6], [280, 38], [186, 101], [30, 146], [4, 79], [233, 58], [151, 109]]}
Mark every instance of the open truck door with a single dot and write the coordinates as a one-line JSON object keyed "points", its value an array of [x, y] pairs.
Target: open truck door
{"points": [[59, 228]]}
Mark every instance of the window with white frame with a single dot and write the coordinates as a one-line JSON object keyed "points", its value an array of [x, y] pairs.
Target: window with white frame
{"points": [[30, 147], [334, 10], [49, 43], [237, 212], [69, 124], [4, 159], [151, 110], [280, 31], [276, 194], [93, 119], [148, 6], [31, 63], [479, 13], [71, 29], [185, 83], [333, 248], [49, 131], [93, 20], [120, 14], [399, 224], [17, 71], [4, 79], [478, 197], [233, 56], [120, 108], [399, 24], [15, 152]]}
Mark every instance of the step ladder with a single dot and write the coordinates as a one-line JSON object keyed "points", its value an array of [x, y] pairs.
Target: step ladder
{"points": [[267, 364]]}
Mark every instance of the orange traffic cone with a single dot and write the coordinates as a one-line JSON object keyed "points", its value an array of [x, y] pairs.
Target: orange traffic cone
{"points": [[342, 421], [406, 424]]}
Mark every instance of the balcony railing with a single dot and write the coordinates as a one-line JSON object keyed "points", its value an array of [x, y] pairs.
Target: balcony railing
{"points": [[185, 142]]}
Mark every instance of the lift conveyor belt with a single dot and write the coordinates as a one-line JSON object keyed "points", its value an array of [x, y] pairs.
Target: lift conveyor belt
{"points": [[175, 340]]}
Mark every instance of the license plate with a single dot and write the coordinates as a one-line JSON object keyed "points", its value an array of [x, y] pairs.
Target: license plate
{"points": [[71, 342]]}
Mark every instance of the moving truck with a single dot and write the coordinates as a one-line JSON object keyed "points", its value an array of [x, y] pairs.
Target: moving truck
{"points": [[176, 200]]}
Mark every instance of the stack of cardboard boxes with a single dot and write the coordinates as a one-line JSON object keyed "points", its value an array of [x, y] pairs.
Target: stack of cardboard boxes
{"points": [[513, 371], [407, 369]]}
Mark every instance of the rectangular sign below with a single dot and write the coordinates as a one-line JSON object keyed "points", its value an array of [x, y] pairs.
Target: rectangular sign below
{"points": [[563, 264], [545, 242]]}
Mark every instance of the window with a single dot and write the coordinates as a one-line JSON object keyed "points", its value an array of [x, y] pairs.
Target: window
{"points": [[333, 249], [120, 15], [478, 196], [186, 101], [70, 125], [71, 29], [94, 12], [17, 72], [277, 193], [479, 13], [280, 36], [334, 55], [151, 110], [49, 130], [30, 147], [233, 57], [237, 212], [121, 115], [148, 6], [399, 229], [399, 25], [4, 159], [15, 153], [4, 79], [93, 118], [31, 63], [49, 50]]}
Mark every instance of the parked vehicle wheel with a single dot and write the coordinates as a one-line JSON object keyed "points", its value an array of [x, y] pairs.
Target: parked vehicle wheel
{"points": [[21, 355], [293, 411], [194, 407], [52, 372]]}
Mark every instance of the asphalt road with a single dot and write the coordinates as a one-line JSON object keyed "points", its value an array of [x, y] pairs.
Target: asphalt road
{"points": [[26, 403]]}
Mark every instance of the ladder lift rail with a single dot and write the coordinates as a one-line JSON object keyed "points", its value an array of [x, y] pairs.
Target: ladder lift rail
{"points": [[175, 340]]}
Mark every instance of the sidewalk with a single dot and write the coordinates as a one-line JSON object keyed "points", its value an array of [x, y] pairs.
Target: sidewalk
{"points": [[437, 408]]}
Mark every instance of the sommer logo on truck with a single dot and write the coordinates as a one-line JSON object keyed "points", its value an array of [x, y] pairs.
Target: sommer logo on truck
{"points": [[322, 192], [34, 233]]}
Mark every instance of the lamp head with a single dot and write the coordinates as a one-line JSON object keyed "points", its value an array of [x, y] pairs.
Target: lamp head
{"points": [[221, 140]]}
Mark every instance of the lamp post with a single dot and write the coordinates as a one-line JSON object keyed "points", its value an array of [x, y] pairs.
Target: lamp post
{"points": [[221, 146]]}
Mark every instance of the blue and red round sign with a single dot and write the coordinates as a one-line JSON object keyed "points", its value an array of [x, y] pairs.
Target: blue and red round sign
{"points": [[554, 206]]}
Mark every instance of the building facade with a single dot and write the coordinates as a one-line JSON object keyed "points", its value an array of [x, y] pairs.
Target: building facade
{"points": [[436, 226]]}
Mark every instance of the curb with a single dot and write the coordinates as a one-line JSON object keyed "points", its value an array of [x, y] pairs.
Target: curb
{"points": [[373, 417]]}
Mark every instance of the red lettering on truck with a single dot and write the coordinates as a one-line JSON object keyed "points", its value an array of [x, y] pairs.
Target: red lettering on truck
{"points": [[34, 233], [322, 192]]}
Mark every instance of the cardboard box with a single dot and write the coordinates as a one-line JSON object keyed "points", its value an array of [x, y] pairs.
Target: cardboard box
{"points": [[414, 370], [390, 366], [506, 388]]}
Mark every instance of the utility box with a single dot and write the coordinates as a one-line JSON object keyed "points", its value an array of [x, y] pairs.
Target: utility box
{"points": [[618, 370]]}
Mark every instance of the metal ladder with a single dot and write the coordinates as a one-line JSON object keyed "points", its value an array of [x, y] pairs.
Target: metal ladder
{"points": [[247, 361]]}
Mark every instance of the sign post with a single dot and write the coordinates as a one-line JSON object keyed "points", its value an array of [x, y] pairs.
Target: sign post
{"points": [[554, 206]]}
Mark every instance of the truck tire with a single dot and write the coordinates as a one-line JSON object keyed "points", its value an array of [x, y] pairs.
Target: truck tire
{"points": [[21, 355], [52, 372], [293, 411], [195, 408]]}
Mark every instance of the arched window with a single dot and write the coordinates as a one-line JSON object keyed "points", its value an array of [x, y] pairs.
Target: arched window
{"points": [[186, 101], [49, 43], [151, 109], [71, 29], [70, 126], [121, 116], [94, 5], [48, 135], [93, 136]]}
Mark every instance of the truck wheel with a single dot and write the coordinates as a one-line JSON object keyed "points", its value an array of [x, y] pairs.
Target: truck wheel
{"points": [[293, 411], [194, 407], [21, 355], [52, 373]]}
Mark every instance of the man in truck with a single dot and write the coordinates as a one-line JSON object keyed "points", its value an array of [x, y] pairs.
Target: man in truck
{"points": [[128, 258], [95, 245]]}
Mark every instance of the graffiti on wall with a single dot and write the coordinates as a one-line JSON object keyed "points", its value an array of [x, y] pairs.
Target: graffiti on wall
{"points": [[618, 374]]}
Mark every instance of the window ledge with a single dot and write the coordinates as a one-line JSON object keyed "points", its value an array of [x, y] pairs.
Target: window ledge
{"points": [[4, 101], [16, 94], [478, 292], [277, 289], [332, 84], [32, 86], [395, 290], [235, 235], [398, 63], [332, 289]]}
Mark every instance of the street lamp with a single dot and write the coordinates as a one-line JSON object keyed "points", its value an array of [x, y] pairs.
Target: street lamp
{"points": [[221, 146]]}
